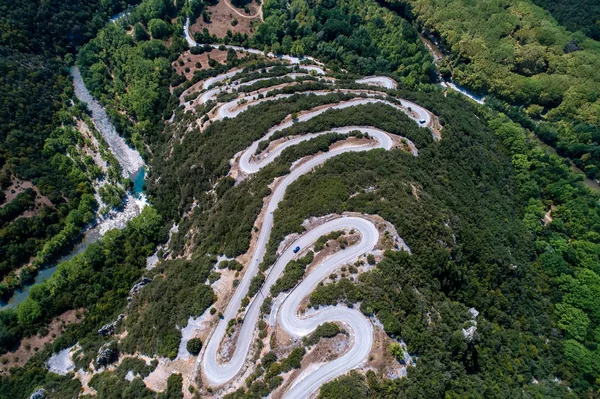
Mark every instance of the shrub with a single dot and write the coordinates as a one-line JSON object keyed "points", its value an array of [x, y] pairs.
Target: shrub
{"points": [[194, 346]]}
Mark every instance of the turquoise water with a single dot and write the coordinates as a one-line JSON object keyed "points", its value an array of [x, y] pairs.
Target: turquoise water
{"points": [[138, 181], [20, 295], [90, 237]]}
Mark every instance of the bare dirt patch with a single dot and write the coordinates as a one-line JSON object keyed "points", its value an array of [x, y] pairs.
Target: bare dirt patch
{"points": [[222, 18], [325, 351], [189, 61], [18, 186], [29, 346], [548, 216], [381, 359]]}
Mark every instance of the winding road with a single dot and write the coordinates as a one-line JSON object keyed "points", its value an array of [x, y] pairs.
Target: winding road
{"points": [[216, 373]]}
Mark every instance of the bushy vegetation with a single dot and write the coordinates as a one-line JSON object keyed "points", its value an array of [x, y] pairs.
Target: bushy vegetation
{"points": [[110, 385], [97, 280], [137, 366], [30, 128], [37, 138], [132, 74], [516, 52], [194, 346], [177, 293], [325, 330], [472, 207], [582, 16], [360, 36], [292, 274], [455, 222]]}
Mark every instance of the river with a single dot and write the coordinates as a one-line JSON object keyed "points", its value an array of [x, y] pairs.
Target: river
{"points": [[133, 167]]}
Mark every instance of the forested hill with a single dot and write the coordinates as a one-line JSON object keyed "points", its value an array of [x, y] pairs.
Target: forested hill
{"points": [[583, 15], [53, 27], [516, 52], [494, 222]]}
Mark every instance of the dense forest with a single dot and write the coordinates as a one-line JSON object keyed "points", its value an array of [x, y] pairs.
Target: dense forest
{"points": [[132, 73], [360, 36], [518, 53], [582, 16]]}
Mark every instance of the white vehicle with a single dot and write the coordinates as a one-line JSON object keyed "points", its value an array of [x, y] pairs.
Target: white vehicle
{"points": [[422, 121]]}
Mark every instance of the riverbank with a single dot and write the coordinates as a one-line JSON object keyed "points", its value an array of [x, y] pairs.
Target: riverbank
{"points": [[133, 168]]}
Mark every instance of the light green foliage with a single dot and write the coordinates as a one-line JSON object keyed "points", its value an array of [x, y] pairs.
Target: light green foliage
{"points": [[133, 75], [573, 321], [159, 29], [194, 346], [518, 53], [29, 312], [396, 350]]}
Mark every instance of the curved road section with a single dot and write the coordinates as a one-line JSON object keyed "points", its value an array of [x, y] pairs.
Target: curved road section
{"points": [[217, 373]]}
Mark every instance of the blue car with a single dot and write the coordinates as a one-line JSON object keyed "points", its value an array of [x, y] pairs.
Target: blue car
{"points": [[296, 250]]}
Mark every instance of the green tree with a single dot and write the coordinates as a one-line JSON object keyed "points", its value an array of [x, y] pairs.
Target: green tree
{"points": [[159, 29], [194, 346], [573, 321], [29, 312], [140, 33]]}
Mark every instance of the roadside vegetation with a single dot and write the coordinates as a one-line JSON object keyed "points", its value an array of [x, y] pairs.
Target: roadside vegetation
{"points": [[360, 36]]}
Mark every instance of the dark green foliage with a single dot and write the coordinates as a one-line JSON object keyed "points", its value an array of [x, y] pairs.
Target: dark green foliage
{"points": [[583, 15], [370, 259], [159, 29], [194, 346], [110, 385], [255, 284], [266, 305], [292, 274], [138, 81], [227, 231], [325, 330], [268, 359], [54, 27], [22, 202], [320, 243], [140, 33], [174, 388], [349, 386], [36, 47], [137, 366], [231, 265], [97, 280], [30, 121], [293, 360], [355, 35]]}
